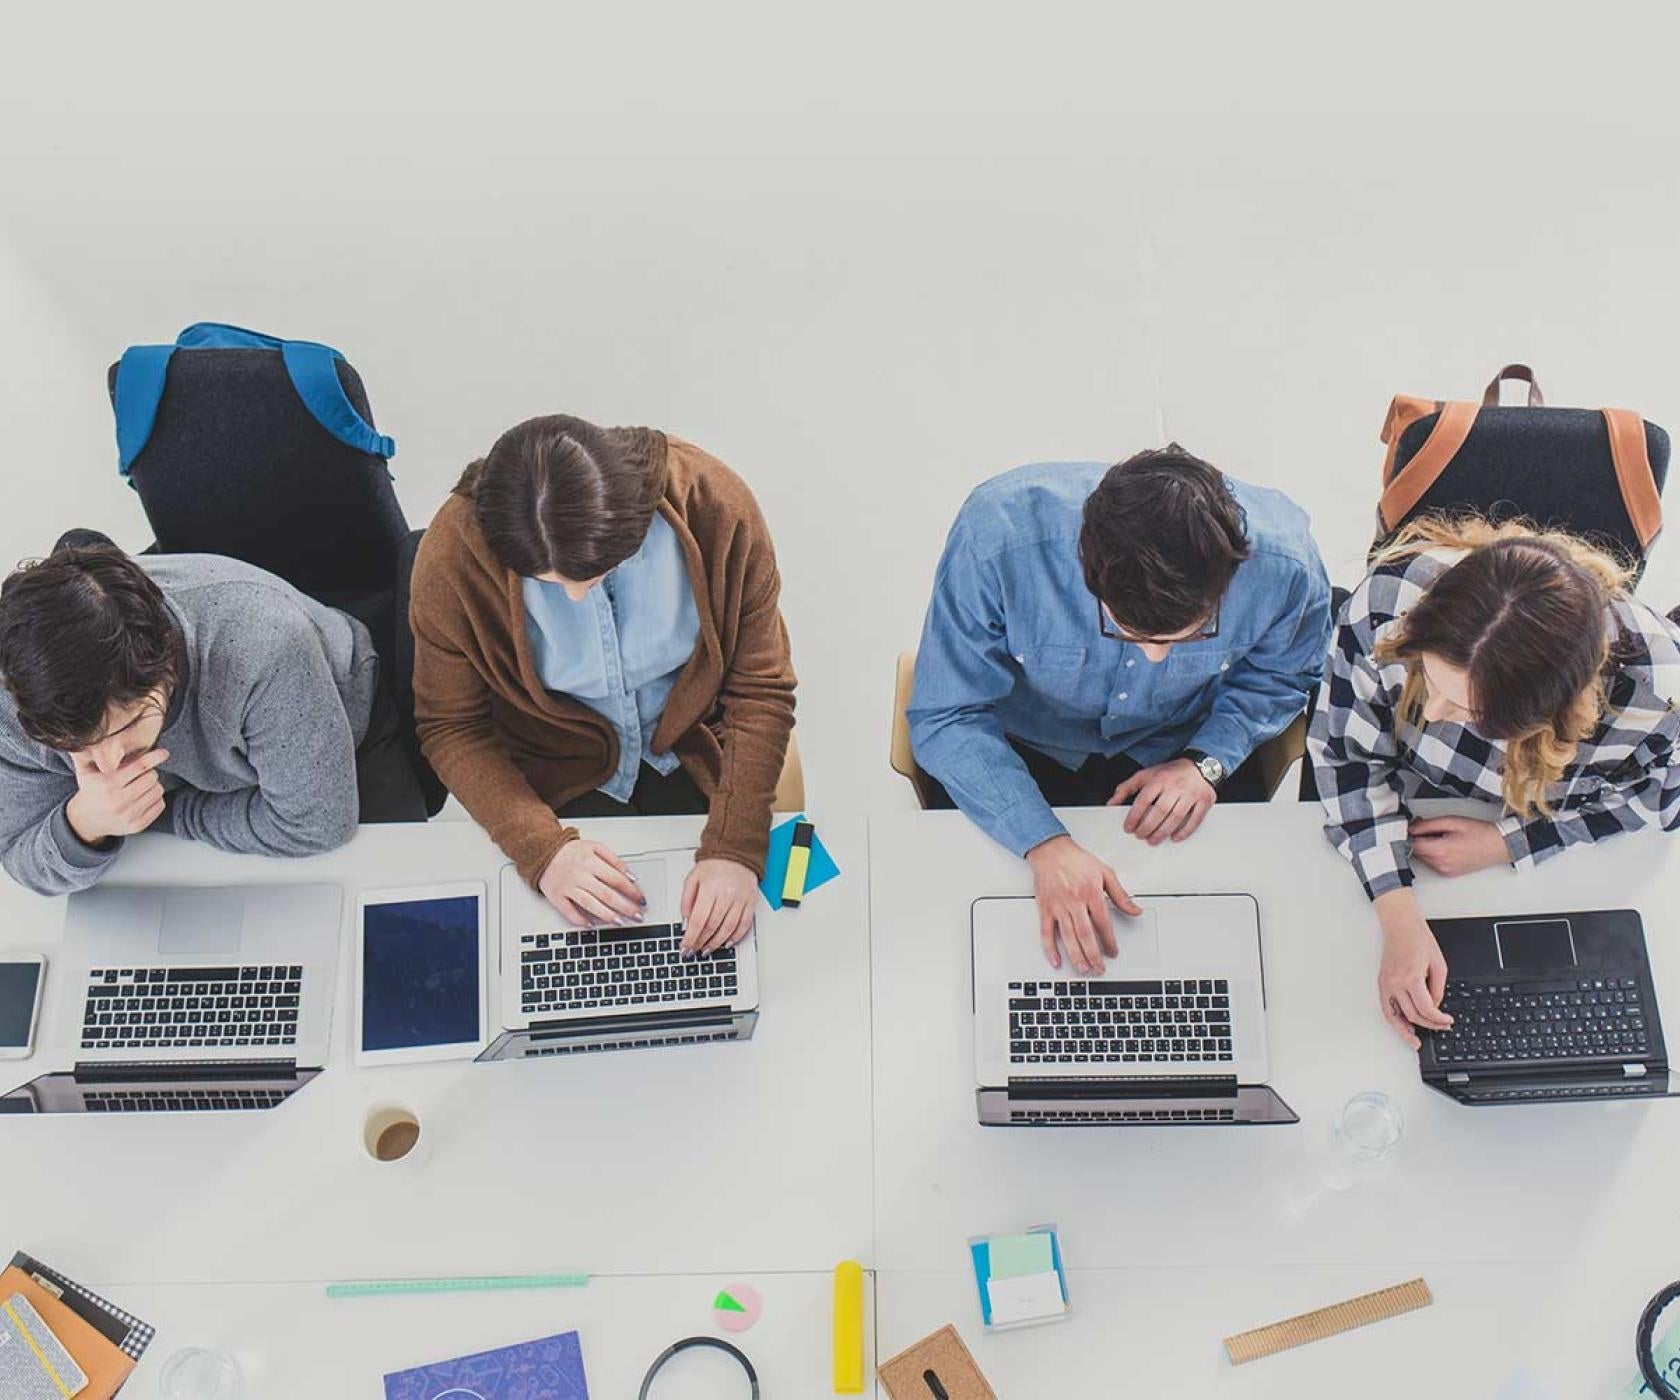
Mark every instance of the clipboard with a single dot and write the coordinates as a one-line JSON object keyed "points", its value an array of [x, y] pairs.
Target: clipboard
{"points": [[939, 1367]]}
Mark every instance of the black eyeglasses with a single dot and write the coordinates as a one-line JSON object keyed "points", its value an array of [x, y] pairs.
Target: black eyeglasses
{"points": [[1208, 631]]}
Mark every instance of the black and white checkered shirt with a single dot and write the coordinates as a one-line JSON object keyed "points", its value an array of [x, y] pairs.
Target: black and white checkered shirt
{"points": [[1622, 777]]}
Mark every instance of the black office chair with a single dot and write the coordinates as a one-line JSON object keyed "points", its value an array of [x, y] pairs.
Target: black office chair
{"points": [[236, 464]]}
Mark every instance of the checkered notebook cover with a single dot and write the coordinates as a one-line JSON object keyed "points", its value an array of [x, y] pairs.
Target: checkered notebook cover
{"points": [[129, 1333]]}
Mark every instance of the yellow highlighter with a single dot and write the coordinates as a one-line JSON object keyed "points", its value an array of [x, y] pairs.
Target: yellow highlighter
{"points": [[848, 1328], [798, 866]]}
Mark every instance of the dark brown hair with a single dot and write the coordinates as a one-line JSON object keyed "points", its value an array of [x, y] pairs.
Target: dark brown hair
{"points": [[81, 630], [559, 495], [1523, 614], [1162, 537]]}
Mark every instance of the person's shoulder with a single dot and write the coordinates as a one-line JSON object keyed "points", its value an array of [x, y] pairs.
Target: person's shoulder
{"points": [[1393, 585], [1279, 528], [1026, 506], [1647, 643], [211, 589], [17, 749], [694, 476]]}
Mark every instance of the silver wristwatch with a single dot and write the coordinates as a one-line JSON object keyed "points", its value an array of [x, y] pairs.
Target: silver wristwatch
{"points": [[1208, 766]]}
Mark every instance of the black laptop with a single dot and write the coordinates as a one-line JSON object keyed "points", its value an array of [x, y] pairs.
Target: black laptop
{"points": [[1547, 1008]]}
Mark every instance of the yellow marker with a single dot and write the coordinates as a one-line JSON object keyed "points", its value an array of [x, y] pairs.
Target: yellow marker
{"points": [[848, 1328], [798, 866]]}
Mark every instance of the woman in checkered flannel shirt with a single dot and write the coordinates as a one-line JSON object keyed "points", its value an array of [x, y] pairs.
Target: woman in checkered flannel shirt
{"points": [[1490, 662]]}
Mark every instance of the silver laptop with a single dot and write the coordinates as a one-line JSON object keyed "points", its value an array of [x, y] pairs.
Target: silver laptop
{"points": [[193, 999], [1173, 1031], [566, 989]]}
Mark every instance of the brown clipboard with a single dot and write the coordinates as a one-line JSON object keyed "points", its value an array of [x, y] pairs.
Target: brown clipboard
{"points": [[945, 1359]]}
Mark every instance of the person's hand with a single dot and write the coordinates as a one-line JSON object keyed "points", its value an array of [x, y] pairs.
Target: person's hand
{"points": [[1072, 888], [591, 886], [1168, 800], [122, 802], [1414, 971], [718, 900], [1457, 845]]}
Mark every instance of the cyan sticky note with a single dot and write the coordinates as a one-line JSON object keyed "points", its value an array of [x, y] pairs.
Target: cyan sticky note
{"points": [[822, 868], [1015, 1256]]}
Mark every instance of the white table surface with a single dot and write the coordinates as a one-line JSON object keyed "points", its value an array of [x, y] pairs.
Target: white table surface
{"points": [[1587, 1190], [292, 1342], [1157, 1332], [667, 1174], [742, 1156]]}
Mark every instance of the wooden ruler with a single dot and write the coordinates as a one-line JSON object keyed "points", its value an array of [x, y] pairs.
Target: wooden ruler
{"points": [[1327, 1322]]}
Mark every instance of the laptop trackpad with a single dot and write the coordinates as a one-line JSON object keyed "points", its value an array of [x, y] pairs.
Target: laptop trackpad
{"points": [[1139, 939], [202, 921]]}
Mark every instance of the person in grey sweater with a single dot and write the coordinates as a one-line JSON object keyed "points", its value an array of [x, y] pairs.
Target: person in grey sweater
{"points": [[185, 693]]}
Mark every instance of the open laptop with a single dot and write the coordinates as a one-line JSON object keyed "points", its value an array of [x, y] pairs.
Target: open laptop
{"points": [[1173, 1031], [568, 990], [1547, 1007], [192, 999]]}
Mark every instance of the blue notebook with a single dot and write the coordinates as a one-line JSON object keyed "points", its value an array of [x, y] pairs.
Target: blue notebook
{"points": [[550, 1369]]}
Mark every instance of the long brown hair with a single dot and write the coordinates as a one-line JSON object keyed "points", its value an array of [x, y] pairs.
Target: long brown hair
{"points": [[559, 495], [1523, 614]]}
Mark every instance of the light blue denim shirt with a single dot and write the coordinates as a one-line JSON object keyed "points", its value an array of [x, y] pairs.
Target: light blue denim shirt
{"points": [[622, 648], [1012, 648]]}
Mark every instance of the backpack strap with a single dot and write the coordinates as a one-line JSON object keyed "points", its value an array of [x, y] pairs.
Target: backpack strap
{"points": [[313, 369], [314, 372], [1402, 491], [1633, 473], [139, 388]]}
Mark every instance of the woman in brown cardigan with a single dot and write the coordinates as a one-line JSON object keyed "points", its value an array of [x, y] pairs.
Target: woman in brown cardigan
{"points": [[596, 632]]}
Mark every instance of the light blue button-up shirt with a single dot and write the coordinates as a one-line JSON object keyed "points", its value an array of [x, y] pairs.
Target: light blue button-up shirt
{"points": [[622, 648], [1012, 648]]}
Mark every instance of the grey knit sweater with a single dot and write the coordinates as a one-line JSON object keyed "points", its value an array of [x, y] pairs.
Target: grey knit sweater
{"points": [[262, 730]]}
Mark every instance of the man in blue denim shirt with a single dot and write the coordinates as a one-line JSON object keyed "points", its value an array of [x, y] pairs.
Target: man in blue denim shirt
{"points": [[1104, 635]]}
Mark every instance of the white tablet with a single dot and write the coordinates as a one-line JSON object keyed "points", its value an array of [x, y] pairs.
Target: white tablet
{"points": [[422, 974]]}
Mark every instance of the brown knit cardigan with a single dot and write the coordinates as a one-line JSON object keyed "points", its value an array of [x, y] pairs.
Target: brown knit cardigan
{"points": [[513, 752]]}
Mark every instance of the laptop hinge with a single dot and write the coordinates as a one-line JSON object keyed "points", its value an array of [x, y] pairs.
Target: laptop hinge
{"points": [[1185, 1086], [1633, 1071], [1458, 1079], [196, 1071], [638, 1020]]}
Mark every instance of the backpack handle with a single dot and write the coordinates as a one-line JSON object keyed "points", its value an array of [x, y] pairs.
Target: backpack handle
{"points": [[1521, 373]]}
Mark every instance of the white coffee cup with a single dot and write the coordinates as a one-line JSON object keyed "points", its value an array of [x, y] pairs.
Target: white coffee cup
{"points": [[392, 1136]]}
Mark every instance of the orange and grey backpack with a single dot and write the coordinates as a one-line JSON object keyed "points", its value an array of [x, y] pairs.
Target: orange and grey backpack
{"points": [[1597, 473]]}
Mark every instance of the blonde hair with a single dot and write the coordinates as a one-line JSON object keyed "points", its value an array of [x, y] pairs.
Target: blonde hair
{"points": [[1523, 614]]}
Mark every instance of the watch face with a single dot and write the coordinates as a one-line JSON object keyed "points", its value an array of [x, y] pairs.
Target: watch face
{"points": [[1213, 770]]}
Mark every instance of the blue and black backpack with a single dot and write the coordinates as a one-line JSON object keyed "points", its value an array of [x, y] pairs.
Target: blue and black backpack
{"points": [[264, 449]]}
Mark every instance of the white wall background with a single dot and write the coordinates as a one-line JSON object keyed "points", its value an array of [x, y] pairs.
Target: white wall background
{"points": [[869, 257]]}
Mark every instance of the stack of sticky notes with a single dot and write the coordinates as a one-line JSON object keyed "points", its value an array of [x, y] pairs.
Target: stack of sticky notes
{"points": [[1020, 1277]]}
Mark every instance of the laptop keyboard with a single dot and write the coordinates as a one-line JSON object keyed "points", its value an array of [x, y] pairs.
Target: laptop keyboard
{"points": [[1567, 1019], [620, 967], [180, 1100], [1075, 1023], [1052, 1117], [179, 1008]]}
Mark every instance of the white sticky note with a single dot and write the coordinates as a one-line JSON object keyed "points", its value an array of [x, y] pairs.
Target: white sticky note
{"points": [[1025, 1299]]}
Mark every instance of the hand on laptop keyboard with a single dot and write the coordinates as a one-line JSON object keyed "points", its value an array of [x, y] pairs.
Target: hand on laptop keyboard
{"points": [[1073, 889], [718, 899]]}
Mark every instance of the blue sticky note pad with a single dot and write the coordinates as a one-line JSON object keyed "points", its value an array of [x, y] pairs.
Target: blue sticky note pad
{"points": [[1006, 1256], [821, 870]]}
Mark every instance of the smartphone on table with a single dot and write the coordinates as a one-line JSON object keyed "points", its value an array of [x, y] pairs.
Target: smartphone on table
{"points": [[21, 978]]}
